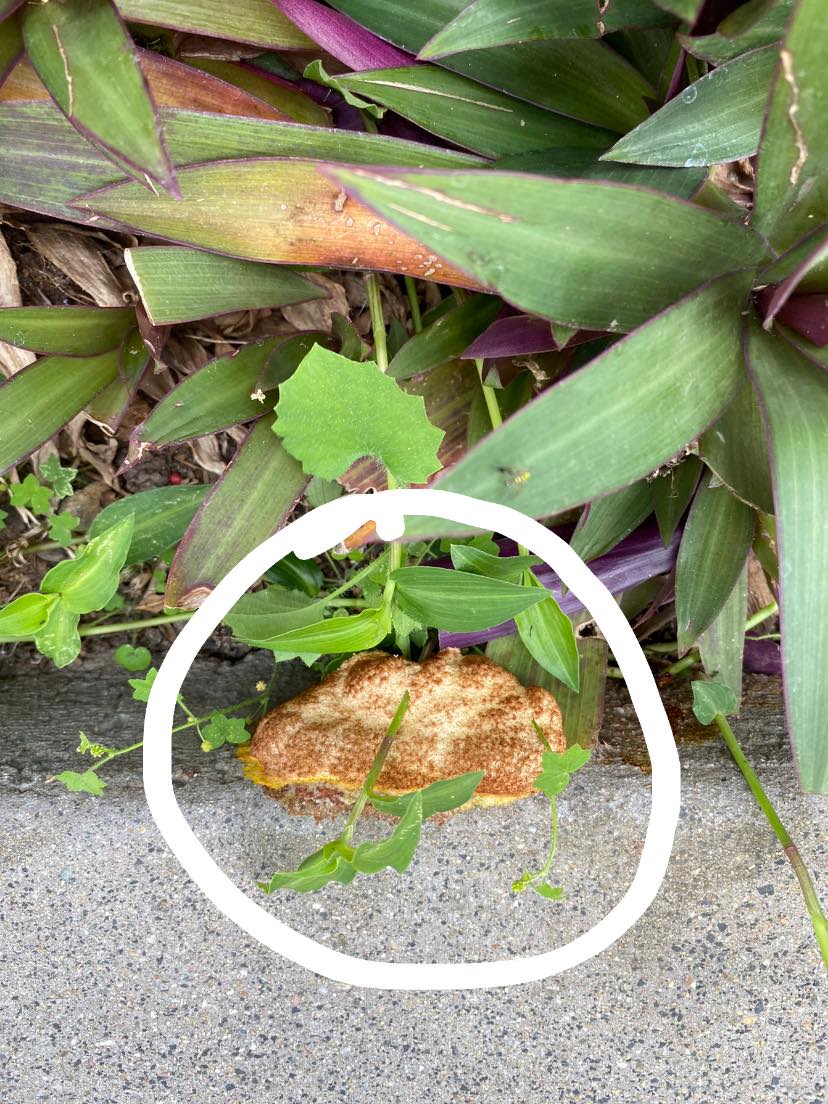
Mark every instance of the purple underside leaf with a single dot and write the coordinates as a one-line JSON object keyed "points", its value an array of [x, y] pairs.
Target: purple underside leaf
{"points": [[517, 335], [763, 657], [344, 39], [808, 315], [641, 556]]}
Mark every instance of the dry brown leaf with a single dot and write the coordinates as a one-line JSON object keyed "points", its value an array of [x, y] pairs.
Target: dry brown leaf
{"points": [[317, 314], [81, 258], [759, 593], [11, 358], [207, 453]]}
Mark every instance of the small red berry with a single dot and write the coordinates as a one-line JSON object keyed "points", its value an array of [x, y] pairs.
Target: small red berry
{"points": [[175, 478]]}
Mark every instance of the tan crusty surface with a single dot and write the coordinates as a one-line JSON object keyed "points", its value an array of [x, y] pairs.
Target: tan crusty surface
{"points": [[466, 713]]}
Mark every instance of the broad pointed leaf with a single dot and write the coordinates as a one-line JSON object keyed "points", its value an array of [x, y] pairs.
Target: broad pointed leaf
{"points": [[459, 601], [722, 644], [791, 182], [86, 59], [735, 448], [549, 636], [356, 633], [609, 519], [718, 48], [672, 493], [716, 119], [47, 164], [793, 394], [626, 400], [252, 499], [469, 114], [177, 285], [269, 210], [51, 392], [256, 21], [488, 23], [561, 248], [445, 338], [68, 331], [579, 78], [160, 518], [87, 582], [227, 391], [713, 551]]}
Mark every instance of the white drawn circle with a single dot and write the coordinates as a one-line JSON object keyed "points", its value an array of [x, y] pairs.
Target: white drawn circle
{"points": [[310, 535]]}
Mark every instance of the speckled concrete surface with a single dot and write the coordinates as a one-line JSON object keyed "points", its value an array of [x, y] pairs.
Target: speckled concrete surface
{"points": [[121, 983]]}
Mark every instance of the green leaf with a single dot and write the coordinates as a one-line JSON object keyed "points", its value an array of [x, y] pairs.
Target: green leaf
{"points": [[713, 550], [684, 9], [11, 40], [266, 209], [332, 867], [558, 768], [439, 797], [178, 284], [549, 636], [31, 492], [722, 644], [735, 448], [623, 405], [791, 183], [582, 711], [447, 337], [60, 528], [609, 519], [469, 114], [86, 59], [60, 478], [70, 331], [89, 581], [221, 729], [466, 557], [356, 633], [398, 849], [26, 615], [132, 659], [579, 78], [296, 574], [85, 782], [141, 687], [557, 247], [54, 165], [332, 411], [718, 48], [59, 639], [793, 394], [251, 500], [672, 493], [271, 612], [457, 601], [717, 118], [710, 698], [551, 893], [160, 518], [51, 391], [575, 164], [258, 22], [221, 394], [488, 23]]}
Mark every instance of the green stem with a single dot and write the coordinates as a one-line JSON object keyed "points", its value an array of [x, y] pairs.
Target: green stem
{"points": [[489, 395], [377, 321], [817, 916], [373, 773], [761, 615], [113, 754], [682, 664], [414, 304]]}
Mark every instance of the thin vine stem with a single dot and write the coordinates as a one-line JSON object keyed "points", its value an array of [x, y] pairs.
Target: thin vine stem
{"points": [[812, 904], [374, 771]]}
